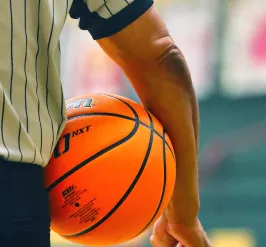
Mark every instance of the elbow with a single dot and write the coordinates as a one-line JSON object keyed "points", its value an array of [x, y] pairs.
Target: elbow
{"points": [[174, 64]]}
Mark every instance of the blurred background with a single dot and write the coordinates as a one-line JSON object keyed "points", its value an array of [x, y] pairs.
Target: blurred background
{"points": [[224, 42]]}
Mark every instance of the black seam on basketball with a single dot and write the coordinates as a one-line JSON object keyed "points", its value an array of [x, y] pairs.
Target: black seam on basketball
{"points": [[124, 197], [163, 189], [101, 152], [124, 117], [112, 96]]}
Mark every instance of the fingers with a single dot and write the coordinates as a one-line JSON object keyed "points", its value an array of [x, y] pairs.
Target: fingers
{"points": [[190, 235], [160, 237], [167, 241]]}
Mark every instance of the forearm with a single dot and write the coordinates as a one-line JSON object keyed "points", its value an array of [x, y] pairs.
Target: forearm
{"points": [[166, 90], [158, 72]]}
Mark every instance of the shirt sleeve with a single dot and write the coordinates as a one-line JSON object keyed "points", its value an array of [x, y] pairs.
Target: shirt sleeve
{"points": [[103, 18]]}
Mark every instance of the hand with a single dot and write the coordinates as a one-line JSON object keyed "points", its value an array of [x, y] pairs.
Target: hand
{"points": [[167, 234]]}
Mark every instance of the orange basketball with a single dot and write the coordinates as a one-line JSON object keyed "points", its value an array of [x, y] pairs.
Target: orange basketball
{"points": [[112, 172]]}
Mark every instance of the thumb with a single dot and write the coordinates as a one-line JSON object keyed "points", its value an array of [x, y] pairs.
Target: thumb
{"points": [[165, 241], [160, 236]]}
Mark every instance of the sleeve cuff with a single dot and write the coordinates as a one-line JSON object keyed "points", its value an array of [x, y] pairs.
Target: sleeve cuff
{"points": [[103, 28]]}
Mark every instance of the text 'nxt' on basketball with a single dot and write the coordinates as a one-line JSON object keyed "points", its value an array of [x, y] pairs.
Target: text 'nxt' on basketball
{"points": [[81, 131], [65, 146]]}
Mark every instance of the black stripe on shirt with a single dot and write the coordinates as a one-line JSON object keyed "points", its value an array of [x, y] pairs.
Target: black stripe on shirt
{"points": [[26, 78], [11, 49], [67, 6], [105, 4], [25, 64], [62, 93], [19, 144], [2, 125], [37, 81], [12, 70], [47, 79], [34, 156]]}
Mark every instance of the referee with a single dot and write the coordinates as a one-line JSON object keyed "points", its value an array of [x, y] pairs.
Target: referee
{"points": [[32, 108]]}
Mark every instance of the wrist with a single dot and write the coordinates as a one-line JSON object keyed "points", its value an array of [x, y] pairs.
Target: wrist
{"points": [[181, 214]]}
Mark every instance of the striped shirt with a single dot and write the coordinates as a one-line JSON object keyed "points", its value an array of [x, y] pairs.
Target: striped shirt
{"points": [[32, 108]]}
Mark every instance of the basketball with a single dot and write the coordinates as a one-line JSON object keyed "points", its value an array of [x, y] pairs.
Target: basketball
{"points": [[112, 172]]}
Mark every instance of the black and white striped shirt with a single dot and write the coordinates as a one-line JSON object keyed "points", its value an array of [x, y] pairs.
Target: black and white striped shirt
{"points": [[32, 108]]}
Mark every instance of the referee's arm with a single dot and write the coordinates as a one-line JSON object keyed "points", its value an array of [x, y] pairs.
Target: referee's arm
{"points": [[157, 69]]}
